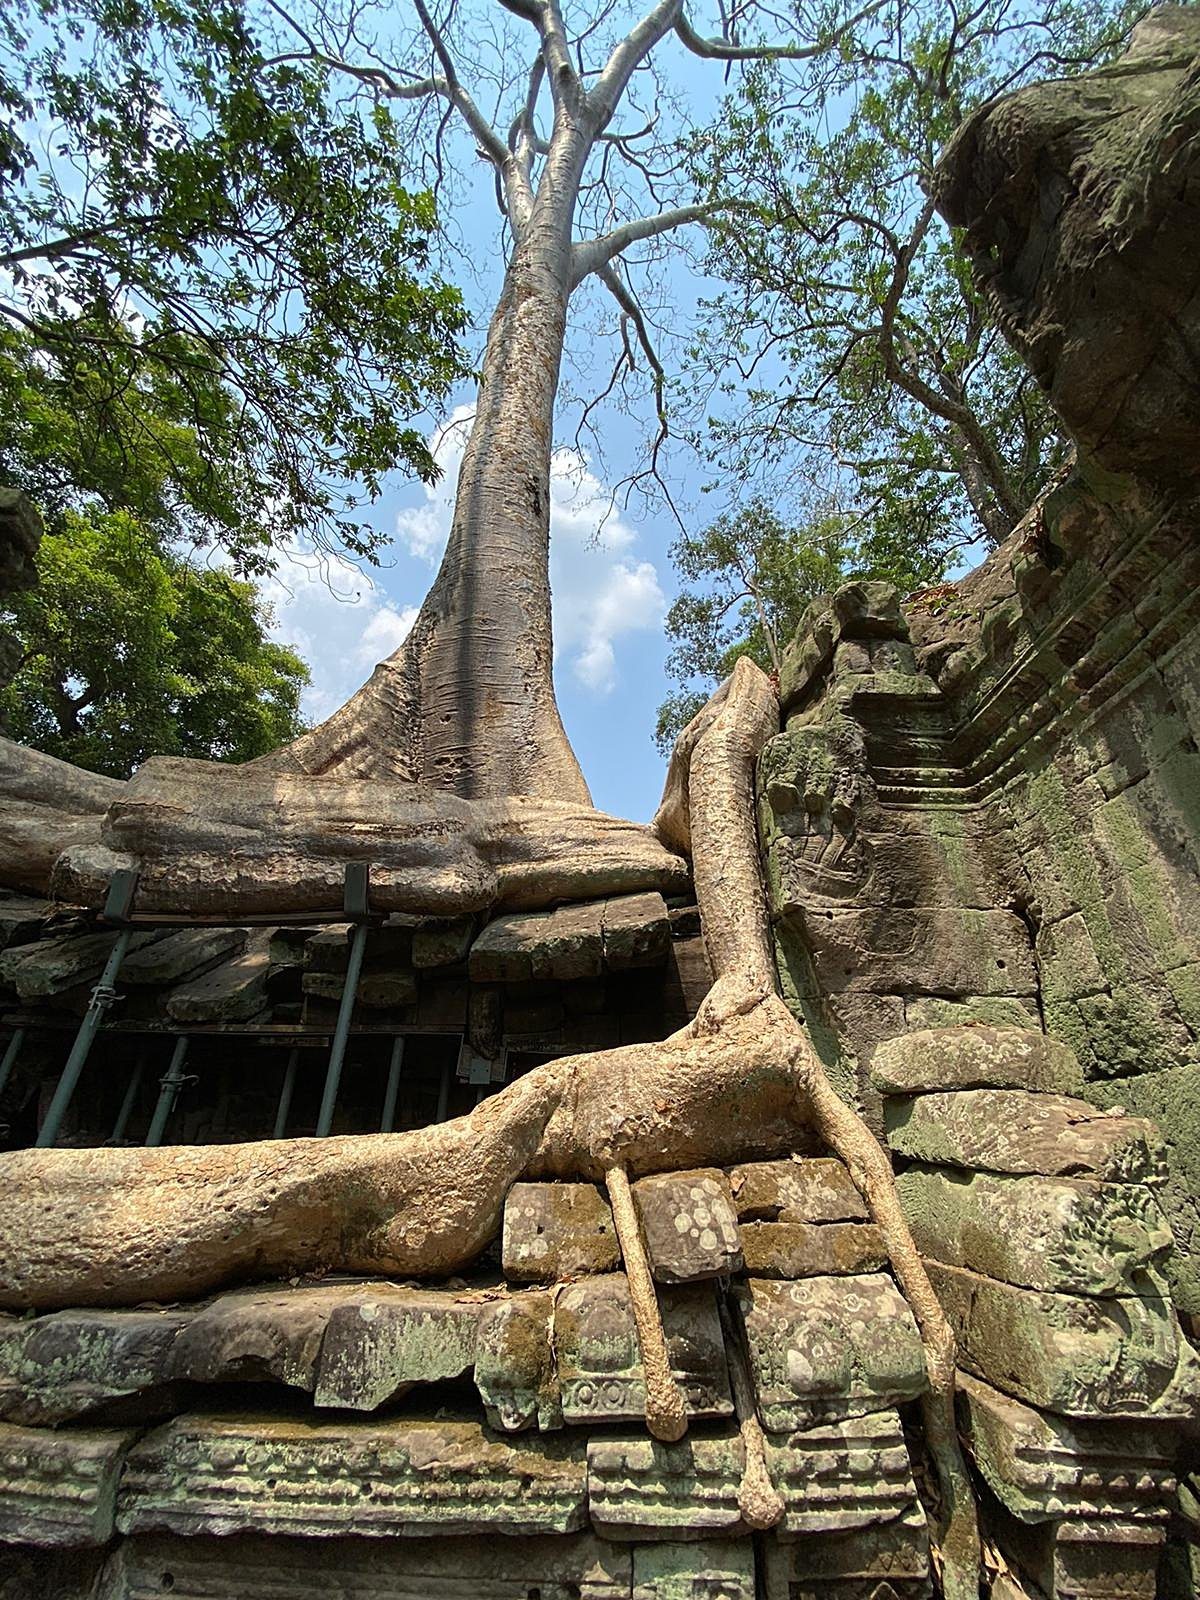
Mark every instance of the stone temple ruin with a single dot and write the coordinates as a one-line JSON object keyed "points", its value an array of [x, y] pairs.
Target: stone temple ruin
{"points": [[444, 1203]]}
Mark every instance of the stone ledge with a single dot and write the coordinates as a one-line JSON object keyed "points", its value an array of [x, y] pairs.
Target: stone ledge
{"points": [[241, 1474]]}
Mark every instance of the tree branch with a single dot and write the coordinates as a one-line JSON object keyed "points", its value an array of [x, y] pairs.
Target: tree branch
{"points": [[626, 57], [592, 255], [726, 50]]}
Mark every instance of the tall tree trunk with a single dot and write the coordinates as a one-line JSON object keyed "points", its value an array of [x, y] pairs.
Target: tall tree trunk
{"points": [[466, 704]]}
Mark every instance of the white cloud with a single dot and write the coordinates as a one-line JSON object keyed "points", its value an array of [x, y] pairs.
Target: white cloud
{"points": [[601, 591], [339, 620]]}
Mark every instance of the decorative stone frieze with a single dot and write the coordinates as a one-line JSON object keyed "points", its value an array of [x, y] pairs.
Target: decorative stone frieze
{"points": [[828, 1348], [58, 1488], [1043, 1466], [1065, 1234], [274, 1475], [599, 1359]]}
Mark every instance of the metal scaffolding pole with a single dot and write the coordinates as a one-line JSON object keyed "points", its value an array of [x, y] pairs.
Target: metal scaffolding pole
{"points": [[129, 1099], [388, 1120], [103, 996], [10, 1057], [285, 1094], [355, 897], [169, 1087], [117, 905]]}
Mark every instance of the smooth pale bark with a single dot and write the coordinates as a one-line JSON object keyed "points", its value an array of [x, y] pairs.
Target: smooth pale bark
{"points": [[466, 704]]}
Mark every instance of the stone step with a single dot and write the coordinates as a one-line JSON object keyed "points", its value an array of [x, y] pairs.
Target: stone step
{"points": [[975, 1056], [1012, 1130]]}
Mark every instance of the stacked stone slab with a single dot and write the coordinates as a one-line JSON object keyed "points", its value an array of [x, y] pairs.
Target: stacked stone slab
{"points": [[1039, 1219], [326, 1422]]}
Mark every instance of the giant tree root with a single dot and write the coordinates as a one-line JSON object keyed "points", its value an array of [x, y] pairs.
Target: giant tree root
{"points": [[113, 1227]]}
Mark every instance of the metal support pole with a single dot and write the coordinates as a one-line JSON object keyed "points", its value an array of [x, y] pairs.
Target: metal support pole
{"points": [[129, 1100], [341, 1033], [168, 1093], [103, 996], [355, 899], [10, 1057], [285, 1094], [388, 1120]]}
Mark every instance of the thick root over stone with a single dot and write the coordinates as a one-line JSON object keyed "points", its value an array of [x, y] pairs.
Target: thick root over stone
{"points": [[111, 1227]]}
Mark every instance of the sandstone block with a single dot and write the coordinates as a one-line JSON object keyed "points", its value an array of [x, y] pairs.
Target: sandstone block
{"points": [[574, 947], [378, 991], [899, 950], [807, 1189], [1068, 1234], [689, 1225], [49, 967], [1011, 1130], [1172, 1098], [21, 920], [505, 950], [637, 931], [563, 945], [723, 1569], [377, 1345], [232, 992], [1076, 1354], [269, 1335], [1092, 1559], [979, 1057], [639, 1488], [887, 1559], [179, 955], [258, 1567], [514, 1363], [557, 1230], [59, 1488], [67, 1364], [599, 1359], [224, 1475], [840, 1475], [1043, 1466], [869, 609], [810, 1249], [442, 944], [828, 1348]]}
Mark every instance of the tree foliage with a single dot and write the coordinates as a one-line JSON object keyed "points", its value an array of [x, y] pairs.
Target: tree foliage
{"points": [[130, 651], [745, 583], [862, 354], [210, 260]]}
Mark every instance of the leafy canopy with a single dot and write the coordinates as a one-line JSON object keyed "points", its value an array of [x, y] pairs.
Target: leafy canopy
{"points": [[210, 261], [745, 583], [862, 356], [130, 651]]}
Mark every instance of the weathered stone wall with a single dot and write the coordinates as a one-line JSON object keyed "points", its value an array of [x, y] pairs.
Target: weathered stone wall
{"points": [[985, 804], [1008, 829]]}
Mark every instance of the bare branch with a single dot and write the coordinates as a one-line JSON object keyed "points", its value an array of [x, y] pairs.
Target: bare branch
{"points": [[627, 57], [488, 139], [727, 50], [592, 255]]}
